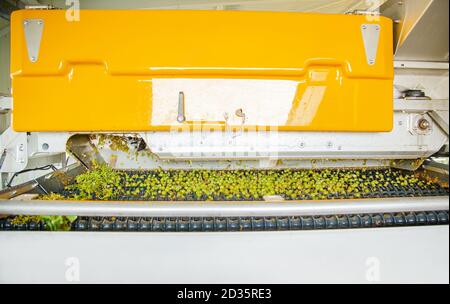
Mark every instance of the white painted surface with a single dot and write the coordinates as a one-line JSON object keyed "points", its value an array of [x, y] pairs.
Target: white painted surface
{"points": [[397, 255], [400, 143]]}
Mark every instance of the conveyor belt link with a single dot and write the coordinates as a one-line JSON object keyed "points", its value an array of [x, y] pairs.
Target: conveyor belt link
{"points": [[246, 223]]}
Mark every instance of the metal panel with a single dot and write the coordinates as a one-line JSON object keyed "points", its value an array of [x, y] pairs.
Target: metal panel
{"points": [[398, 144], [421, 29], [390, 255], [127, 76]]}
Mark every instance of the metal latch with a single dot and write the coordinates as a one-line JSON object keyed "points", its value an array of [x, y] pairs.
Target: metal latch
{"points": [[33, 29]]}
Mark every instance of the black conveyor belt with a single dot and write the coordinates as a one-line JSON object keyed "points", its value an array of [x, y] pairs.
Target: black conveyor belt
{"points": [[245, 223]]}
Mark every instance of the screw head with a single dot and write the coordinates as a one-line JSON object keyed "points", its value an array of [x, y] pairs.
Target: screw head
{"points": [[423, 124], [240, 113]]}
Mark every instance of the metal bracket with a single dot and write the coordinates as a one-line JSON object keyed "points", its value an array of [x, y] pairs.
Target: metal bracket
{"points": [[40, 7], [33, 35], [439, 121], [2, 158], [371, 38], [16, 147], [407, 164]]}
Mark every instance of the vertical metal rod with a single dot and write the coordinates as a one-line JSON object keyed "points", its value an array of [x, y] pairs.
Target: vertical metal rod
{"points": [[2, 158]]}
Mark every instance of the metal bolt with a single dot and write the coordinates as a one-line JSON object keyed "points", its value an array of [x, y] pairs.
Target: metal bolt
{"points": [[33, 59], [25, 23], [423, 124], [240, 113]]}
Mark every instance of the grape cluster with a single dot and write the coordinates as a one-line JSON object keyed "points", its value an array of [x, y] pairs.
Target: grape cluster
{"points": [[104, 183]]}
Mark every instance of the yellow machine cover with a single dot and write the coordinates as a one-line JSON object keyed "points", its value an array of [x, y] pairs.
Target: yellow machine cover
{"points": [[124, 71]]}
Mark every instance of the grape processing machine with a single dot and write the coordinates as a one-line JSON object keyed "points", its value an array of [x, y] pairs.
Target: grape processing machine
{"points": [[277, 94]]}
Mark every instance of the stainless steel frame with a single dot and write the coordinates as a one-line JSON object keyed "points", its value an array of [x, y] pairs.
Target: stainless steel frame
{"points": [[11, 204], [223, 209]]}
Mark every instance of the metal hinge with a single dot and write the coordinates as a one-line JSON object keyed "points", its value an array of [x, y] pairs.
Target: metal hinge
{"points": [[363, 13], [5, 103], [40, 7]]}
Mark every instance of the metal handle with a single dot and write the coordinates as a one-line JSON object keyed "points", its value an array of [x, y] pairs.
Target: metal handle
{"points": [[181, 117]]}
